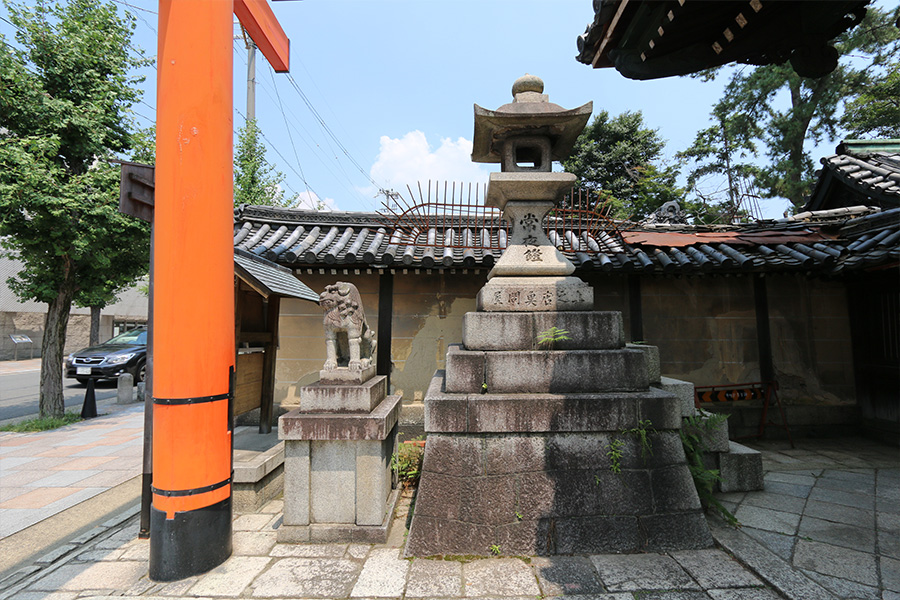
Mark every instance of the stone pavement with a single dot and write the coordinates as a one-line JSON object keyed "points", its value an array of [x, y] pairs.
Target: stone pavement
{"points": [[827, 526], [44, 473]]}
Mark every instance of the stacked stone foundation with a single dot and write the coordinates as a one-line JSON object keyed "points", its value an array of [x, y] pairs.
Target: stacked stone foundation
{"points": [[539, 452]]}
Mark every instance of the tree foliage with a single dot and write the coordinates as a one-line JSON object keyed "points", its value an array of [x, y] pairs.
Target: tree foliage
{"points": [[65, 94], [620, 158], [255, 180], [875, 112], [772, 108]]}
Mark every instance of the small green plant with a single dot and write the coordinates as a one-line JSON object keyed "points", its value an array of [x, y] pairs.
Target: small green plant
{"points": [[519, 516], [407, 463], [495, 549], [642, 433], [614, 452], [692, 431], [549, 337], [43, 423]]}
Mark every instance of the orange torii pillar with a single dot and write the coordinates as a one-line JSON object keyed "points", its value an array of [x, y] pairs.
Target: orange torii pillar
{"points": [[193, 288]]}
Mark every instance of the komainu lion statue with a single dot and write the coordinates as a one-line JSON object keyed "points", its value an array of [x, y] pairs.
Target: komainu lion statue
{"points": [[348, 340]]}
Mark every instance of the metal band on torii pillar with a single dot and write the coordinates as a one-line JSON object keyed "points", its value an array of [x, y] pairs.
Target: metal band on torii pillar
{"points": [[193, 295]]}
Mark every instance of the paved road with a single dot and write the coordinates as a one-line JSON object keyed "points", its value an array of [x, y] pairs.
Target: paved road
{"points": [[19, 390]]}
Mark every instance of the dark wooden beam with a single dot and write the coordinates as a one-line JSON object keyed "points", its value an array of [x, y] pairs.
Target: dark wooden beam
{"points": [[385, 314], [763, 333], [636, 312]]}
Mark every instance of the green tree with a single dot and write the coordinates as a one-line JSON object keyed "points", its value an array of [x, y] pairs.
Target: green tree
{"points": [[65, 94], [783, 111], [620, 158], [875, 113], [722, 155], [255, 180]]}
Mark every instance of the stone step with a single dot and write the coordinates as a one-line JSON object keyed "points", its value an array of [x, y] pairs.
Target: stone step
{"points": [[741, 469], [546, 371], [598, 412], [587, 330]]}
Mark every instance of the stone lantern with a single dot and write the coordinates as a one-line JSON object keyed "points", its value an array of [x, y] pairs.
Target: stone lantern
{"points": [[522, 420], [525, 137]]}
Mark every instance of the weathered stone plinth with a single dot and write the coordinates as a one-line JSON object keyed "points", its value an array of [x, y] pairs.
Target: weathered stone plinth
{"points": [[528, 466], [533, 294], [337, 462]]}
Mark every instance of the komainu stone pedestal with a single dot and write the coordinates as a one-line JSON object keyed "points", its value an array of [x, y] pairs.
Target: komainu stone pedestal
{"points": [[338, 484], [551, 459]]}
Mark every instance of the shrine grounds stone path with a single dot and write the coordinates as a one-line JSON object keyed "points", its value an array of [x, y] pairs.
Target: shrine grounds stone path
{"points": [[826, 526]]}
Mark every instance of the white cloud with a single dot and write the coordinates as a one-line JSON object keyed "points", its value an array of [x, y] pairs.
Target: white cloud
{"points": [[411, 159], [310, 201]]}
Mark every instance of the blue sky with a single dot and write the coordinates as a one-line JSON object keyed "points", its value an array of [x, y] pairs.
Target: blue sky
{"points": [[394, 82]]}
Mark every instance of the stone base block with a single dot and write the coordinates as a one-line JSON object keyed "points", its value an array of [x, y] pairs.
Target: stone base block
{"points": [[534, 294], [344, 375], [651, 355], [341, 533], [684, 390], [343, 398], [587, 330], [715, 439], [554, 493], [741, 469], [298, 425], [600, 411]]}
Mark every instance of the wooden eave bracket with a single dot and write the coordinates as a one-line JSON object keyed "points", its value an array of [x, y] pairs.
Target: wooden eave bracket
{"points": [[257, 18]]}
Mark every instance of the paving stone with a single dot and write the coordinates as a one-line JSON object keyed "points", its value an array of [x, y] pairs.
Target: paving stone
{"points": [[845, 589], [566, 576], [768, 519], [98, 555], [499, 577], [251, 522], [860, 477], [383, 574], [715, 569], [177, 589], [888, 595], [889, 544], [793, 477], [839, 513], [359, 551], [887, 505], [780, 502], [307, 578], [780, 544], [46, 596], [309, 550], [890, 573], [743, 594], [92, 576], [253, 543], [434, 579], [790, 582], [674, 595], [788, 489], [642, 572], [845, 498], [888, 521], [231, 577], [837, 562], [838, 534]]}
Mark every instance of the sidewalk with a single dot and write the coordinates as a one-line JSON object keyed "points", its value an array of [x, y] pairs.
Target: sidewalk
{"points": [[44, 473], [826, 526]]}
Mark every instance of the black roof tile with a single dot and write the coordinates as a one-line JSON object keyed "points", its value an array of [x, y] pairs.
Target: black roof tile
{"points": [[828, 245]]}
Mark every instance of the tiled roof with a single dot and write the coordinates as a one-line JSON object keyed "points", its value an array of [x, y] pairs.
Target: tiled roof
{"points": [[825, 244], [269, 278], [877, 173]]}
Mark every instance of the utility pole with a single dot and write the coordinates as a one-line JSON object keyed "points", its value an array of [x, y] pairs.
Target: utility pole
{"points": [[251, 81]]}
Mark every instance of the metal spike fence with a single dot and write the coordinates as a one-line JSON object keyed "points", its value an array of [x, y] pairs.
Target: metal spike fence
{"points": [[450, 215]]}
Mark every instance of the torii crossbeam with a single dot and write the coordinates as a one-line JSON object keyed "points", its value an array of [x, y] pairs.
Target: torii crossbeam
{"points": [[193, 288]]}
